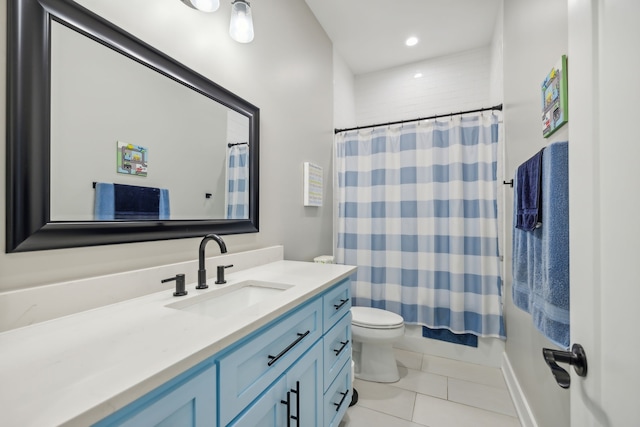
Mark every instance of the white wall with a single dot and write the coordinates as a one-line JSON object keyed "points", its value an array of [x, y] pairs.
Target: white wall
{"points": [[452, 83], [535, 36], [286, 71], [99, 98], [344, 103]]}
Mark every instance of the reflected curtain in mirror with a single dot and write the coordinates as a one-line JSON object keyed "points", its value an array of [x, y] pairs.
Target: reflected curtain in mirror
{"points": [[237, 181]]}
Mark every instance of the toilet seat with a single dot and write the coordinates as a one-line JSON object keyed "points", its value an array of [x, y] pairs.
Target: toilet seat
{"points": [[375, 318]]}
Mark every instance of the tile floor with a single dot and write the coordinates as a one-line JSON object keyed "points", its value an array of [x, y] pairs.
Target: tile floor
{"points": [[434, 392]]}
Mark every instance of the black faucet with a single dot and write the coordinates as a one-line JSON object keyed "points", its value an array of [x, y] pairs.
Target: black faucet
{"points": [[202, 272]]}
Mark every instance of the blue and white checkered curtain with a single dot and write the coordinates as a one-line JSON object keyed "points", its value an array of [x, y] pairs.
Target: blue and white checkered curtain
{"points": [[237, 182], [417, 213]]}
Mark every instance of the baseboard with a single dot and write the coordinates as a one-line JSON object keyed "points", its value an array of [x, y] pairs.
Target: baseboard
{"points": [[519, 400]]}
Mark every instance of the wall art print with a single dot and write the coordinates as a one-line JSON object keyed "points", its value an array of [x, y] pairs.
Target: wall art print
{"points": [[554, 98], [132, 159]]}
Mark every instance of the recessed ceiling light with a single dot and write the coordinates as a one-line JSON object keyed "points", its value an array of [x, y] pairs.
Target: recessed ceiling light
{"points": [[417, 75], [411, 41]]}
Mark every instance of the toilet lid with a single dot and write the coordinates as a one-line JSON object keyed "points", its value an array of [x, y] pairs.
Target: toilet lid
{"points": [[369, 317]]}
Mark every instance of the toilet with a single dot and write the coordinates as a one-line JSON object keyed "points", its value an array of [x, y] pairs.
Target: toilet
{"points": [[374, 331]]}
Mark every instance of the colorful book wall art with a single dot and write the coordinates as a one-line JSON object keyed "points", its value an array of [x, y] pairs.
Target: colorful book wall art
{"points": [[312, 185], [132, 159], [554, 98]]}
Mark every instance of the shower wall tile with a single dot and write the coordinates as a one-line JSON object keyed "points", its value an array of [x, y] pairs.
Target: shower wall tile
{"points": [[448, 84]]}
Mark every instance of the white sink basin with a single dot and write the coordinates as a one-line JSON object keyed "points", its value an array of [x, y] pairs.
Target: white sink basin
{"points": [[230, 299]]}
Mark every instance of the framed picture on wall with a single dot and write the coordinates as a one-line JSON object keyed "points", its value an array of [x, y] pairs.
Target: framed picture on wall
{"points": [[554, 98], [132, 159]]}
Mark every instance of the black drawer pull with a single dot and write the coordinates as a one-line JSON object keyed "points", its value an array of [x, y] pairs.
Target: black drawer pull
{"points": [[289, 347], [342, 302], [344, 344], [344, 396]]}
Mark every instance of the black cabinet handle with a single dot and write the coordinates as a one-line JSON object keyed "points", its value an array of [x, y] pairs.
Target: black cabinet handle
{"points": [[344, 396], [576, 358], [286, 402], [297, 393], [342, 302], [344, 344], [273, 359]]}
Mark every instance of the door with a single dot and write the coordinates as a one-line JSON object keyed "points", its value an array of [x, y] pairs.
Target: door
{"points": [[604, 188]]}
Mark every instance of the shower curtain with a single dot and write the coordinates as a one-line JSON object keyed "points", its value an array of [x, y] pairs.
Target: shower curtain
{"points": [[237, 196], [417, 213]]}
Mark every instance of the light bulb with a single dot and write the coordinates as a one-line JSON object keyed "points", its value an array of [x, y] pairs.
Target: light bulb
{"points": [[411, 41], [241, 26], [206, 5]]}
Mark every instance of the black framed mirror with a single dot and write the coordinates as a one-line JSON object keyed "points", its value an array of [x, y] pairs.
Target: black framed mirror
{"points": [[29, 225]]}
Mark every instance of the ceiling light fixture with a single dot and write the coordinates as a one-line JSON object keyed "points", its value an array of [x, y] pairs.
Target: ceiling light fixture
{"points": [[411, 41], [203, 5], [241, 26], [417, 75]]}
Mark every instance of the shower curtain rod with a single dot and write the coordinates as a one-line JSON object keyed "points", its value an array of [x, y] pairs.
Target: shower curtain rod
{"points": [[437, 116]]}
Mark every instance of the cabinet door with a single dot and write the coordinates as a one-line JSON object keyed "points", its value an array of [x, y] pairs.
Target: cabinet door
{"points": [[268, 410], [191, 402], [304, 381]]}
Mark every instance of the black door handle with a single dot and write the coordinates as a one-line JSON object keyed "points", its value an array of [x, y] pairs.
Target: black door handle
{"points": [[576, 358], [297, 393], [287, 402]]}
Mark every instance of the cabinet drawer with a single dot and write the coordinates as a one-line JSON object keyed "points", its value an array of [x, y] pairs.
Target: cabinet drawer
{"points": [[258, 360], [336, 303], [337, 348], [338, 397]]}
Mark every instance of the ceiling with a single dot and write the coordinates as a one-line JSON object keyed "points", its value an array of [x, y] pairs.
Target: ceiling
{"points": [[370, 34]]}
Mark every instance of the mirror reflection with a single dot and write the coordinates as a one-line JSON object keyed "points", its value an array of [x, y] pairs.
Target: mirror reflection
{"points": [[128, 143]]}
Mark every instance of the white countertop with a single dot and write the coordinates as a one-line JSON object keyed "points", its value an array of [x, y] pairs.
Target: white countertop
{"points": [[78, 369]]}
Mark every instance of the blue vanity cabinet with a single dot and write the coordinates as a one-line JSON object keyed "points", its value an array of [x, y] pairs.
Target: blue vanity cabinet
{"points": [[299, 364], [251, 366], [295, 399], [337, 343], [187, 400]]}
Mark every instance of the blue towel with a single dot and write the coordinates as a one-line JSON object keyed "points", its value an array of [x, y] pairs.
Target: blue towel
{"points": [[118, 201], [165, 212], [104, 203], [135, 203], [541, 258], [528, 180]]}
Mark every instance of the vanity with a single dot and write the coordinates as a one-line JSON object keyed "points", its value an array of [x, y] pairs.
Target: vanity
{"points": [[271, 347]]}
